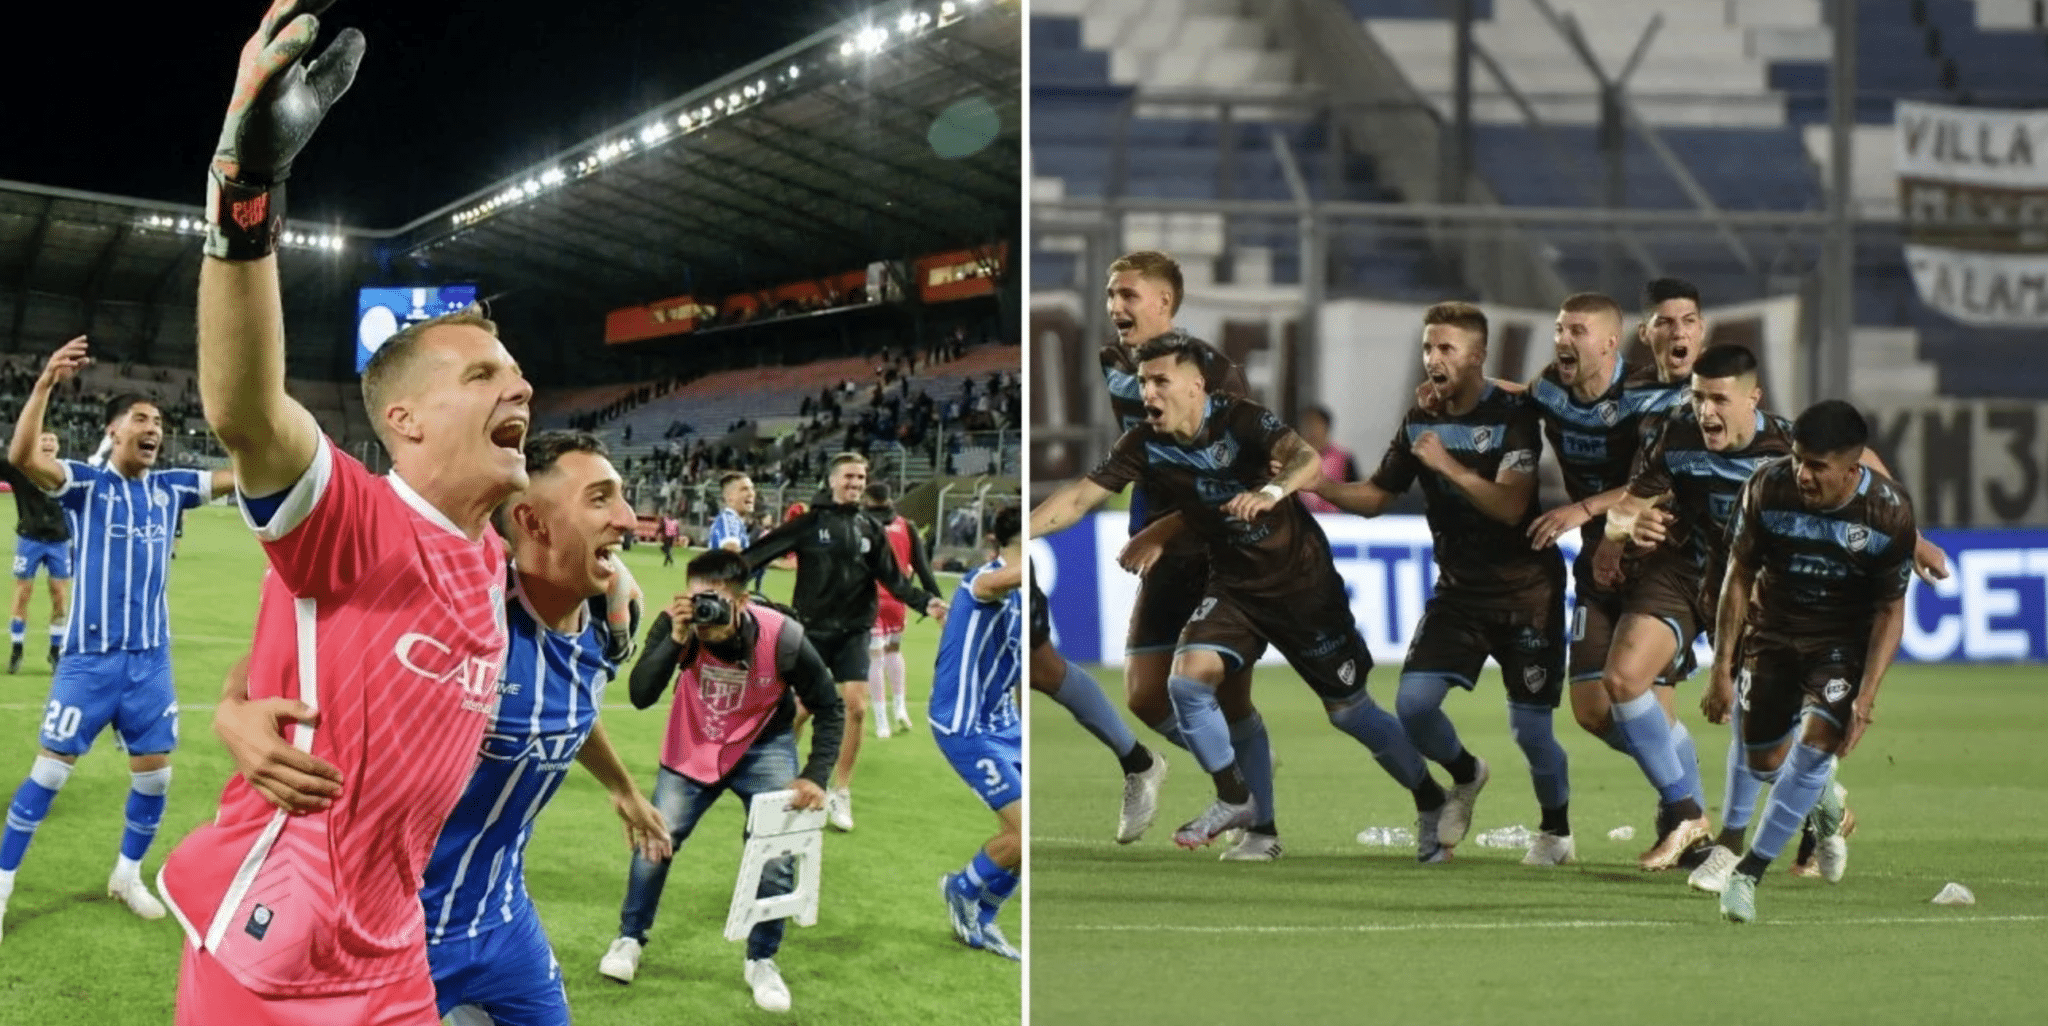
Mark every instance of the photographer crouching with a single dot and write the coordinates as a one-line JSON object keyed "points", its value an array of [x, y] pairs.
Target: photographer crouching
{"points": [[740, 667]]}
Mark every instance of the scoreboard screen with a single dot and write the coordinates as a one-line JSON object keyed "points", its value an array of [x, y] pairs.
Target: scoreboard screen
{"points": [[382, 310]]}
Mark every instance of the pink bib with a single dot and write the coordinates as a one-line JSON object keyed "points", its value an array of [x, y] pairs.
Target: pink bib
{"points": [[720, 707]]}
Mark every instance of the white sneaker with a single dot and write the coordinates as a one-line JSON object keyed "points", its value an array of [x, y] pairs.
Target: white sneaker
{"points": [[1429, 848], [769, 991], [1833, 857], [1253, 848], [882, 727], [903, 721], [1218, 817], [1456, 821], [1549, 849], [1711, 876], [621, 961], [135, 893], [6, 892], [1141, 800], [839, 809]]}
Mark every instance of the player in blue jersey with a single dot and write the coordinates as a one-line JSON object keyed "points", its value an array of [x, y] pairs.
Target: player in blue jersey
{"points": [[729, 529], [42, 541], [974, 716], [491, 959], [117, 649]]}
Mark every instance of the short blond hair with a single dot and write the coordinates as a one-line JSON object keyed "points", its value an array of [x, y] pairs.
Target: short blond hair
{"points": [[389, 364], [1153, 264], [1458, 315]]}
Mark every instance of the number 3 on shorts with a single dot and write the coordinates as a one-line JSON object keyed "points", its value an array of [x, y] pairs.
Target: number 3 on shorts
{"points": [[20, 565], [61, 721], [1208, 605], [989, 772]]}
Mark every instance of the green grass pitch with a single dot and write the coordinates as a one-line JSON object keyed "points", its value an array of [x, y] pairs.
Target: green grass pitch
{"points": [[1950, 785], [882, 951]]}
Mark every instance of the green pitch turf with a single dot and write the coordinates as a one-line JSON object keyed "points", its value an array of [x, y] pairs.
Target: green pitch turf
{"points": [[1950, 785], [882, 951]]}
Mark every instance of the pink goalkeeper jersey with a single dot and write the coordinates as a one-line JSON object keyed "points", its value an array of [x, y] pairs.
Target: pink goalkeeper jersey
{"points": [[384, 617]]}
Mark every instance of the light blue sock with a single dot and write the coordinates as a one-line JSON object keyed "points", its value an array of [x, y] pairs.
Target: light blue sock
{"points": [[1548, 765], [1420, 705], [18, 629], [1649, 737], [1255, 761], [1616, 738], [1689, 762], [1201, 723], [1380, 732], [1169, 729], [1792, 798], [31, 803], [1742, 786], [1082, 696], [145, 811]]}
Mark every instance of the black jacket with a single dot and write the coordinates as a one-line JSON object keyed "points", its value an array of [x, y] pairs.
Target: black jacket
{"points": [[37, 516], [841, 554]]}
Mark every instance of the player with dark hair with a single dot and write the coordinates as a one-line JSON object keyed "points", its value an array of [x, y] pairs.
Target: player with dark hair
{"points": [[1495, 596], [886, 672], [974, 718], [1271, 577], [42, 541], [1338, 464], [117, 651], [842, 554], [1813, 606], [739, 668], [1143, 294]]}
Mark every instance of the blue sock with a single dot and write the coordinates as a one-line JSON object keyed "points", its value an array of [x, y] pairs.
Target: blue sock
{"points": [[31, 804], [1379, 731], [1738, 803], [1689, 762], [1615, 738], [1170, 730], [1792, 798], [1649, 737], [145, 811], [1201, 723], [18, 629], [1254, 749], [1083, 697], [1548, 765], [1420, 705], [1000, 886], [970, 882]]}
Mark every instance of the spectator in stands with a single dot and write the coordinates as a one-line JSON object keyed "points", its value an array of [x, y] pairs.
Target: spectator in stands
{"points": [[1338, 463]]}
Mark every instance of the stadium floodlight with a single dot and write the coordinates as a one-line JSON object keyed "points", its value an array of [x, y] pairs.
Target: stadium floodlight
{"points": [[794, 70], [654, 133], [906, 23], [946, 10]]}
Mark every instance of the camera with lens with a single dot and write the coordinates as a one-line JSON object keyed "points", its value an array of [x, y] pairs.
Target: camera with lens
{"points": [[709, 610]]}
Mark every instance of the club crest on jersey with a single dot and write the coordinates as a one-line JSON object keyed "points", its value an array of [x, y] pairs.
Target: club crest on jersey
{"points": [[1482, 439], [1836, 690], [1608, 412], [259, 922], [1856, 537], [159, 499]]}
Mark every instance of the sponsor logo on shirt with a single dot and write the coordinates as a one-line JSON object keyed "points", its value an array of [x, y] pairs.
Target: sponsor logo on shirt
{"points": [[427, 656]]}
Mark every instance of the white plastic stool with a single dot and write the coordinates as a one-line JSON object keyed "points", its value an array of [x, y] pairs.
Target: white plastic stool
{"points": [[774, 830]]}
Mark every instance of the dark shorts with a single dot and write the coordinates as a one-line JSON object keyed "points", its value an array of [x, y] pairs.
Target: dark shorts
{"points": [[1041, 618], [1780, 683], [1313, 629], [1667, 588], [1167, 597], [1595, 613], [1527, 639], [844, 652]]}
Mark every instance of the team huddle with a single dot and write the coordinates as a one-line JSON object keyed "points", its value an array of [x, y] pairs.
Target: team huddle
{"points": [[433, 647], [1699, 513]]}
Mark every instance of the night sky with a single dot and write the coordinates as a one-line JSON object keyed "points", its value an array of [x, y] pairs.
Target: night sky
{"points": [[452, 94]]}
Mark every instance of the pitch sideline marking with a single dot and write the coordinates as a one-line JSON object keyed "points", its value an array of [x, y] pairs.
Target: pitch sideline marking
{"points": [[1557, 924]]}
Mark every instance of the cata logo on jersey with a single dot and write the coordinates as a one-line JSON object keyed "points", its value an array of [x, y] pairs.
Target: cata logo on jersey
{"points": [[430, 658]]}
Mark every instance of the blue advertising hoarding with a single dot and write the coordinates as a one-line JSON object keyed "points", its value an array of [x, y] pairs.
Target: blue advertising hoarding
{"points": [[382, 310]]}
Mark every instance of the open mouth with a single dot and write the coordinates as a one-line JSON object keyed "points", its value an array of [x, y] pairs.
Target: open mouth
{"points": [[1679, 353], [1439, 378], [1154, 413], [510, 434], [1567, 361], [148, 446], [1123, 325], [1713, 432]]}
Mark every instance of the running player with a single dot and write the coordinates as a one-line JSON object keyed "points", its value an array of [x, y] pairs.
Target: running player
{"points": [[1271, 581], [42, 540], [1820, 552], [1495, 595], [117, 667], [383, 611], [974, 718], [1143, 294], [842, 555], [1079, 694], [885, 646]]}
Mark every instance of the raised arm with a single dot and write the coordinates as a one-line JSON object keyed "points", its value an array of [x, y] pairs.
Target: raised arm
{"points": [[1065, 508], [278, 101], [22, 450]]}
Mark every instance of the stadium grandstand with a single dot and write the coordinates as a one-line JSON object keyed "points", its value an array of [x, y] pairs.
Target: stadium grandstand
{"points": [[838, 213], [1856, 187]]}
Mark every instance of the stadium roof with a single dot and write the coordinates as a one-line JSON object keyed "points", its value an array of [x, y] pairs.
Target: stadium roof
{"points": [[766, 176]]}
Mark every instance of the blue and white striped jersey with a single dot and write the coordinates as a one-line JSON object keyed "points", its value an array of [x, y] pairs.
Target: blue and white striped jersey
{"points": [[548, 698], [122, 529], [981, 661], [728, 525]]}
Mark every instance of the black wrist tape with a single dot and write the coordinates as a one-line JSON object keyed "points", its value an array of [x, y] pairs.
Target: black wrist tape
{"points": [[243, 222]]}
